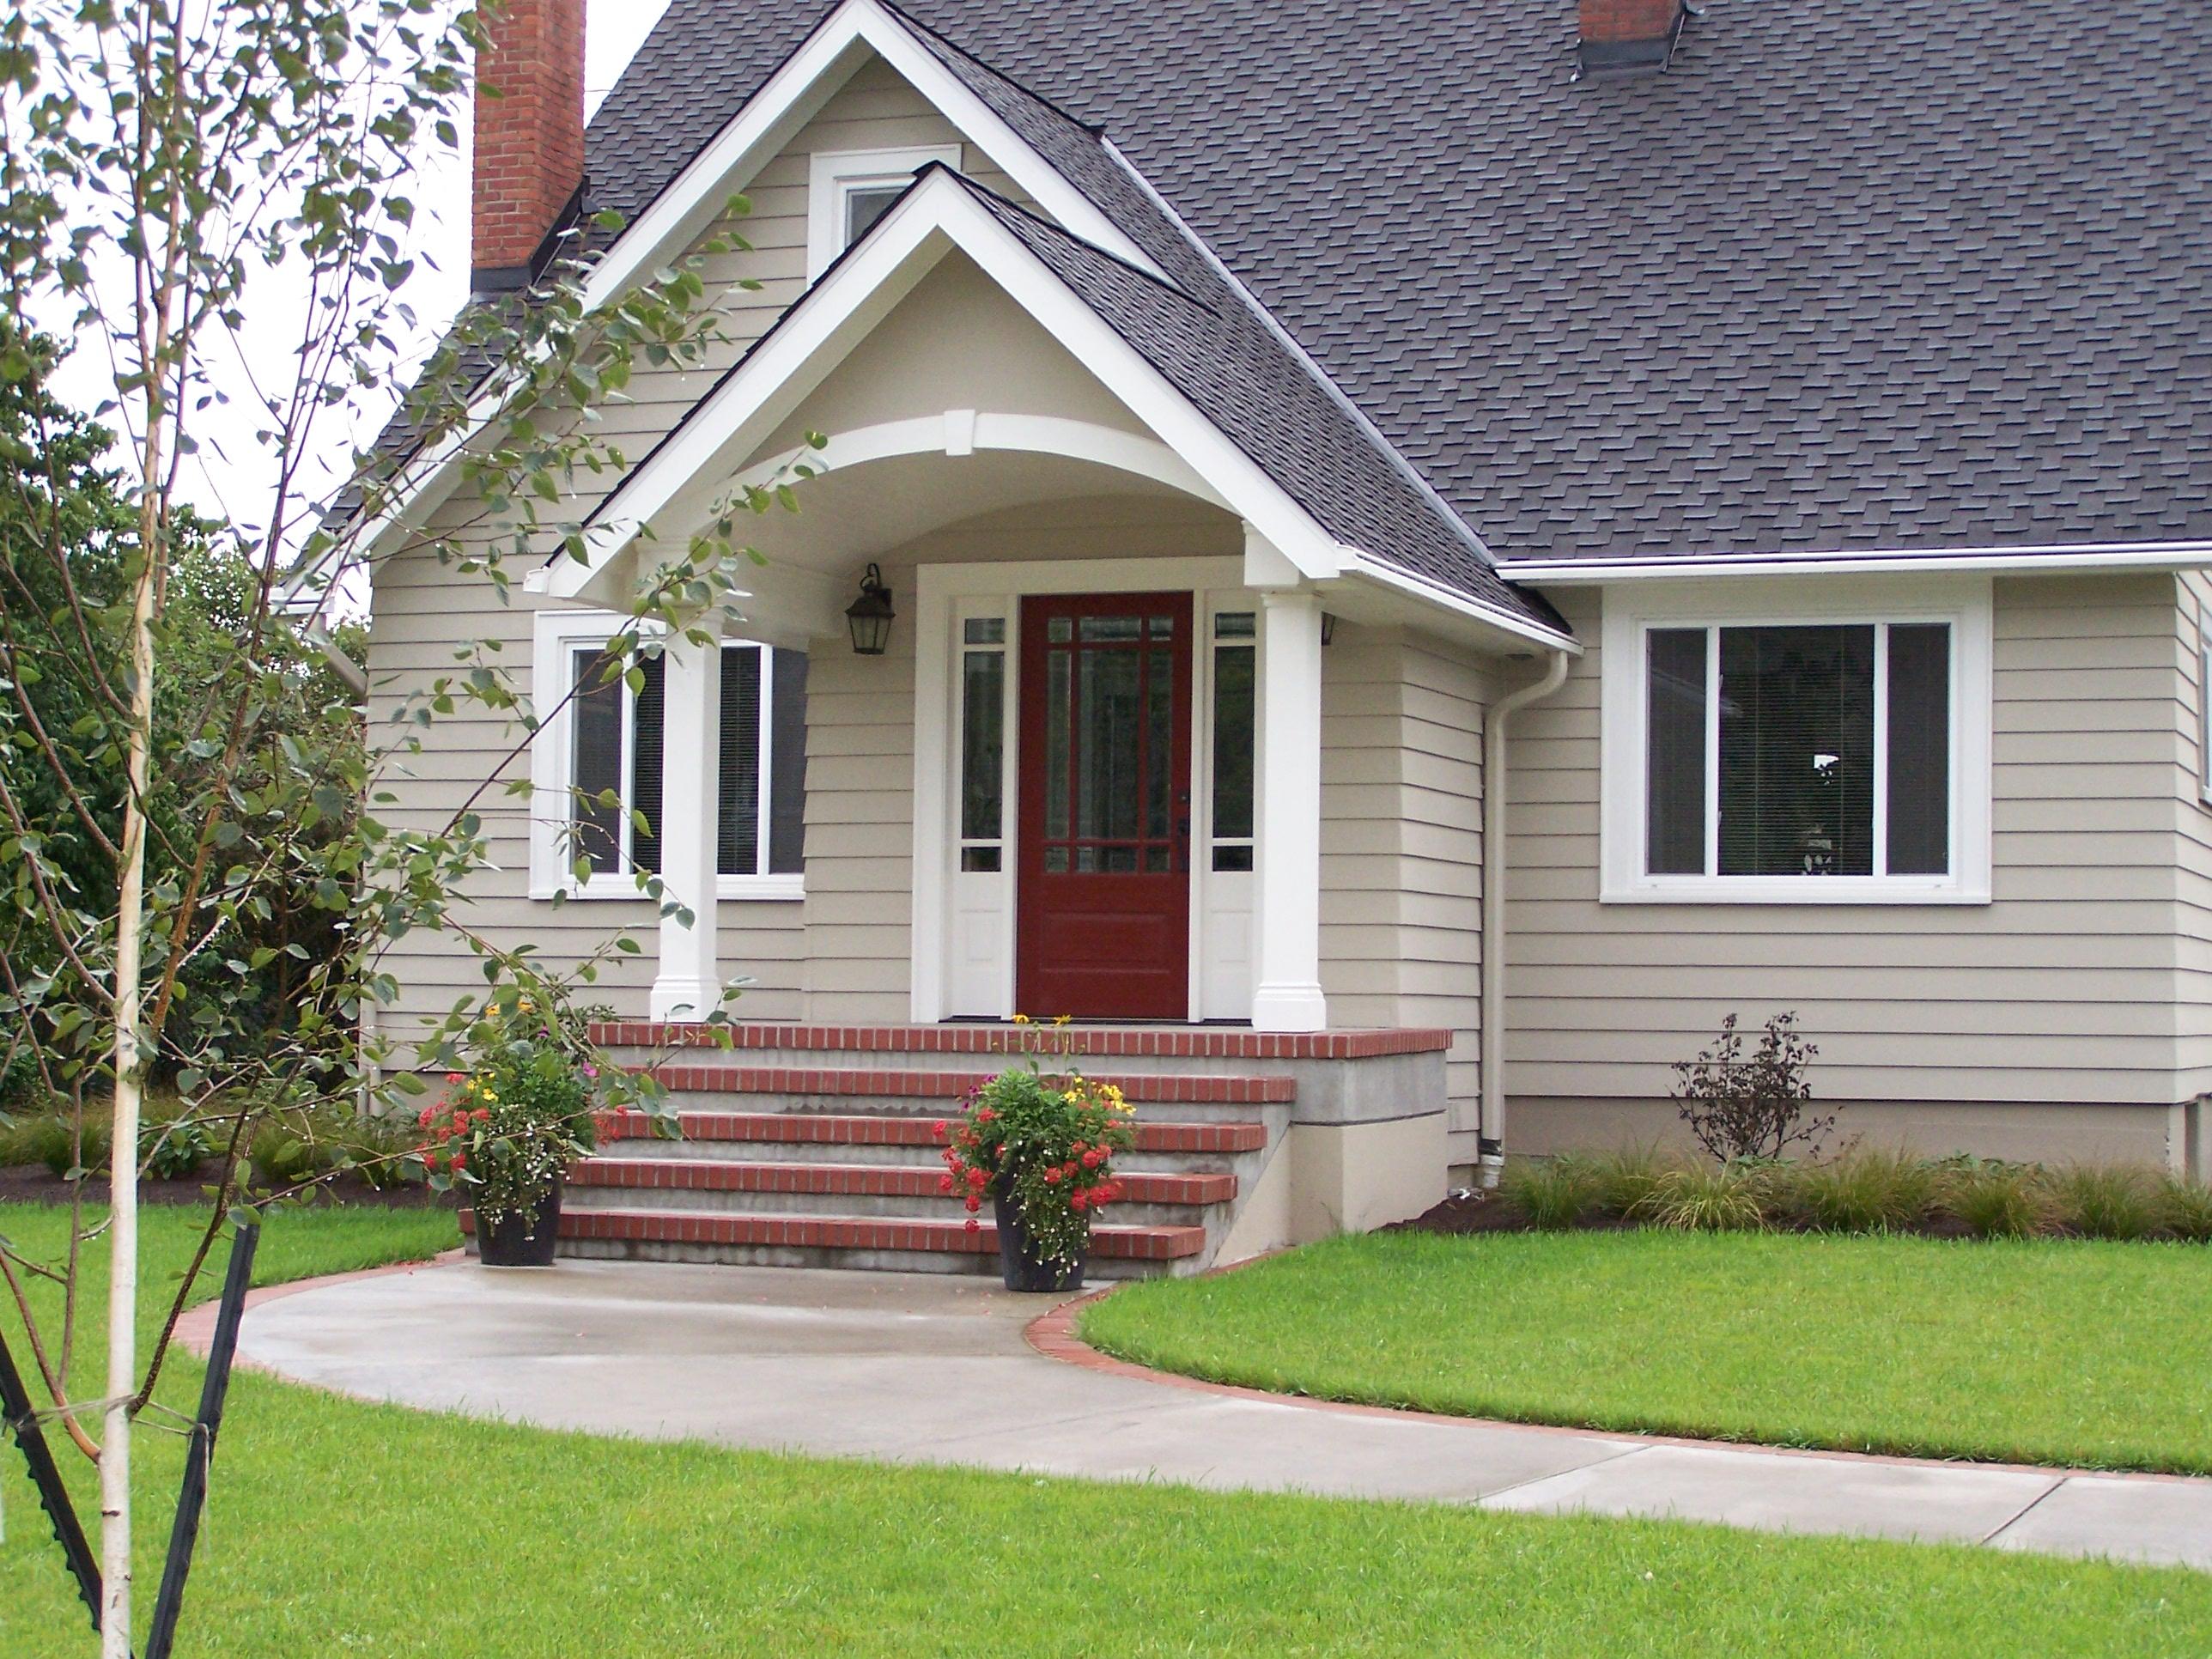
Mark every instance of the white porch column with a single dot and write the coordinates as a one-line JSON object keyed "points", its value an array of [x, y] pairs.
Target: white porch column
{"points": [[689, 987], [1288, 997]]}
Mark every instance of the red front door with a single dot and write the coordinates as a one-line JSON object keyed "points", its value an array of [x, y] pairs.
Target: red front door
{"points": [[1104, 846]]}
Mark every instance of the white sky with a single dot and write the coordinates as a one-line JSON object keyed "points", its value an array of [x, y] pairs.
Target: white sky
{"points": [[231, 475]]}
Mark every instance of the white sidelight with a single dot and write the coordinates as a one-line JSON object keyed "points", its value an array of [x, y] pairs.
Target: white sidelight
{"points": [[1288, 997], [689, 987]]}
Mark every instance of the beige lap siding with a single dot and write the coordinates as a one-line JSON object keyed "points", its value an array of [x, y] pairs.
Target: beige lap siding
{"points": [[2062, 990], [2193, 895], [1401, 842]]}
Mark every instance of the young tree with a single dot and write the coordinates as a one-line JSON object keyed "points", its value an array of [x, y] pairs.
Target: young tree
{"points": [[171, 790]]}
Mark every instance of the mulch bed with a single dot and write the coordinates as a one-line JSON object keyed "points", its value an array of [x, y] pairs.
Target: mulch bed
{"points": [[1487, 1213], [31, 1184]]}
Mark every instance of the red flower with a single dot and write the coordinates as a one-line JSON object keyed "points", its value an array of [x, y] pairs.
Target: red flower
{"points": [[987, 1115], [457, 1077], [944, 1184], [460, 1161], [976, 1178], [1052, 1177], [482, 1113], [939, 1126], [1093, 1158], [429, 1112], [1075, 1201], [973, 1203], [974, 1225]]}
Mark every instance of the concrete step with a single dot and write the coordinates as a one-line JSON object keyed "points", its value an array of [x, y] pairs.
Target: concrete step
{"points": [[881, 1129], [836, 1240], [924, 1155]]}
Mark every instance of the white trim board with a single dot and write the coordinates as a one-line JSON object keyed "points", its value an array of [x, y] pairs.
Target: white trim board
{"points": [[832, 175], [1900, 561], [1964, 602]]}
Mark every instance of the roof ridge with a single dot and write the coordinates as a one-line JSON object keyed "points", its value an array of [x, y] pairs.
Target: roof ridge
{"points": [[991, 197], [1095, 129]]}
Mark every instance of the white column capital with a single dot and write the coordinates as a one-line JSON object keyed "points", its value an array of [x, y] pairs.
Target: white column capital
{"points": [[1288, 997], [688, 986]]}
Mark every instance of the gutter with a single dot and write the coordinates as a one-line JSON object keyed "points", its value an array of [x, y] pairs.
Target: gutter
{"points": [[1491, 1129], [2094, 556]]}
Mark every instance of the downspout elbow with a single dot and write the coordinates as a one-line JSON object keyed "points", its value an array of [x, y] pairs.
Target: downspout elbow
{"points": [[1491, 1131]]}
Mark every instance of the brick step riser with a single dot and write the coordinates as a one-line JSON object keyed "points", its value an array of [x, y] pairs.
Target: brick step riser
{"points": [[802, 1152], [975, 1065], [931, 1208], [932, 1108], [806, 1256], [893, 1129]]}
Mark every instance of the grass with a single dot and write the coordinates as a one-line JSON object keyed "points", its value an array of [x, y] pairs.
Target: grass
{"points": [[338, 1527], [2065, 1351]]}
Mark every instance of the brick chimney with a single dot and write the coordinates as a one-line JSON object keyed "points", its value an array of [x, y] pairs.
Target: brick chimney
{"points": [[529, 139], [1629, 35]]}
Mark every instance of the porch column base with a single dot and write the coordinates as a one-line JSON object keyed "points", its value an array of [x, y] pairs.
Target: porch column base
{"points": [[683, 1001], [1289, 1008]]}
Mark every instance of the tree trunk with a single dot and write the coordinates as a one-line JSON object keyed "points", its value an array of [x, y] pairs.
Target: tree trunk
{"points": [[123, 1154]]}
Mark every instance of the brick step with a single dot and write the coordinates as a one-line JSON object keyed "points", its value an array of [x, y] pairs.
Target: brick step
{"points": [[652, 1149], [856, 1180], [846, 1234], [939, 1090], [817, 1128]]}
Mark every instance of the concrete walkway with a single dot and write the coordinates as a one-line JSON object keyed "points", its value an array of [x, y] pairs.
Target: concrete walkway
{"points": [[891, 1366]]}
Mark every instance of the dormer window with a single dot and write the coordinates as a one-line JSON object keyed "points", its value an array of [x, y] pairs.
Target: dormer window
{"points": [[849, 190]]}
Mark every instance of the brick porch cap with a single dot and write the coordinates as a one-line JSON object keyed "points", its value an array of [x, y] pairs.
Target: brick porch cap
{"points": [[1169, 1042]]}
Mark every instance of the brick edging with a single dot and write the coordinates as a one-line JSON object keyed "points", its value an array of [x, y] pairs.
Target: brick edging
{"points": [[1053, 1335], [1171, 1042]]}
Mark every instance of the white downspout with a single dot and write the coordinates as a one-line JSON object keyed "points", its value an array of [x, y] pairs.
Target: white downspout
{"points": [[1490, 1137]]}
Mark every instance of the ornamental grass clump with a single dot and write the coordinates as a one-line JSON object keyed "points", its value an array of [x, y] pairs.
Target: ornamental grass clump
{"points": [[1864, 1190], [1996, 1200], [1718, 1198], [2185, 1208], [1554, 1194], [1622, 1179], [1046, 1143], [2105, 1201]]}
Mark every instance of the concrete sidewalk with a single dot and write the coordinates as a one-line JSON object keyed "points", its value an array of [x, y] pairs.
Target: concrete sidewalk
{"points": [[891, 1366]]}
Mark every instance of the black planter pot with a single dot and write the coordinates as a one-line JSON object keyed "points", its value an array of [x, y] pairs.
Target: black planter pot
{"points": [[517, 1241], [1017, 1255]]}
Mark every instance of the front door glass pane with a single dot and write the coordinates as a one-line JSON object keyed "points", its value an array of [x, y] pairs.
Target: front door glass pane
{"points": [[1108, 739]]}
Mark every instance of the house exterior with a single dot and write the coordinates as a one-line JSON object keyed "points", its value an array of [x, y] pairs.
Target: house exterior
{"points": [[1779, 437]]}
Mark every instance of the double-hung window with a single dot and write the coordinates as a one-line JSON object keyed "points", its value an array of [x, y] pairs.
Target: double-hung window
{"points": [[1838, 754], [598, 768]]}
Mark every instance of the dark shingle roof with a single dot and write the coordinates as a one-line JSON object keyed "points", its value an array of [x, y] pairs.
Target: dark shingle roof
{"points": [[1923, 274]]}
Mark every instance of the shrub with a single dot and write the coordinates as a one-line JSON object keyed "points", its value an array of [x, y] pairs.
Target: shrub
{"points": [[1552, 1193], [1862, 1191], [1998, 1201], [286, 1150], [1620, 1181], [1741, 1106], [1708, 1198], [2185, 1208], [2105, 1201], [49, 1141], [171, 1151]]}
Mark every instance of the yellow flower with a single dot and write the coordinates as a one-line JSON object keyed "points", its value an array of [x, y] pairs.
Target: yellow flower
{"points": [[1063, 1019], [1021, 1019]]}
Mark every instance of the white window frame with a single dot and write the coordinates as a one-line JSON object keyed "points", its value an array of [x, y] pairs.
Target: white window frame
{"points": [[556, 637], [834, 175], [1632, 614]]}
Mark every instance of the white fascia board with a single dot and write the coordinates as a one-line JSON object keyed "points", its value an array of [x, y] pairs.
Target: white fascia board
{"points": [[2107, 555], [1369, 567], [934, 218]]}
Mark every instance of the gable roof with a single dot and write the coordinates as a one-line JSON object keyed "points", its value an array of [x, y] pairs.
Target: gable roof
{"points": [[1916, 277], [1211, 382]]}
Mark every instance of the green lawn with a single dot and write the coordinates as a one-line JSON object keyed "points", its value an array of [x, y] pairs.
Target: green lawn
{"points": [[2045, 1351], [340, 1528]]}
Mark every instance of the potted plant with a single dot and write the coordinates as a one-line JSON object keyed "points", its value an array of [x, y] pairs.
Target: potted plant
{"points": [[506, 1132], [1042, 1149]]}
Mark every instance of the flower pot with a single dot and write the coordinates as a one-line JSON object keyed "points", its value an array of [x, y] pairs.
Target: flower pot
{"points": [[1017, 1257], [518, 1241]]}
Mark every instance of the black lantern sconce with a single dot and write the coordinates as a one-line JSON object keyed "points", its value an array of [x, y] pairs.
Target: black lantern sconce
{"points": [[871, 615]]}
